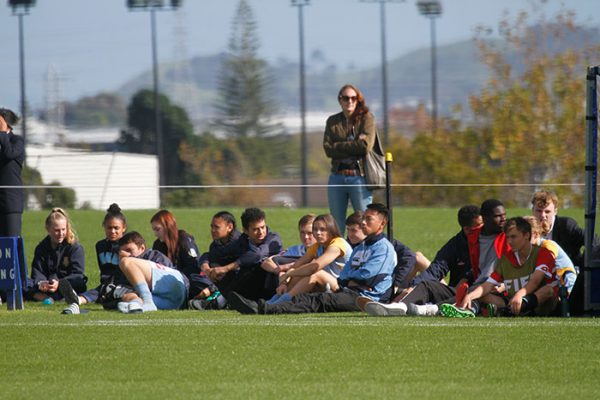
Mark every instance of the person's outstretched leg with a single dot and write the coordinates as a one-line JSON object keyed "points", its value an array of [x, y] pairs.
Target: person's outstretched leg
{"points": [[139, 274]]}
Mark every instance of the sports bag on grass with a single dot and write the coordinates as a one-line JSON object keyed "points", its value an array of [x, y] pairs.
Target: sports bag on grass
{"points": [[374, 166]]}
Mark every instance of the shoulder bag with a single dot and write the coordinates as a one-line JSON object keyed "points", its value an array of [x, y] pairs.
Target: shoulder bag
{"points": [[374, 166]]}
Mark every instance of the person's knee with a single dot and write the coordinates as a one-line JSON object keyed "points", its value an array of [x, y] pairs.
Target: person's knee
{"points": [[545, 293], [127, 263], [422, 262], [316, 279]]}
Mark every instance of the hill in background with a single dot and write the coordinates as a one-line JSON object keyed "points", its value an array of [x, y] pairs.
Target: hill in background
{"points": [[193, 84]]}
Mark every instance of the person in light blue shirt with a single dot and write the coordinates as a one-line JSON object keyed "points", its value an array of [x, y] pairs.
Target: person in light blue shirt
{"points": [[367, 273]]}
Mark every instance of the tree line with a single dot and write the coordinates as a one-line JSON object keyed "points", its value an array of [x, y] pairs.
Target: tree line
{"points": [[527, 125]]}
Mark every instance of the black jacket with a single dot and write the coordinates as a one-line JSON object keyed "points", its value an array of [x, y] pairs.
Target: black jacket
{"points": [[107, 254], [66, 261], [220, 254], [252, 256], [12, 156], [187, 257], [453, 257], [406, 262], [570, 237]]}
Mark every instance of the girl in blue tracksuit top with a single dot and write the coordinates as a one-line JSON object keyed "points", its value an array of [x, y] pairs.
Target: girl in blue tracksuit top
{"points": [[56, 257], [107, 253]]}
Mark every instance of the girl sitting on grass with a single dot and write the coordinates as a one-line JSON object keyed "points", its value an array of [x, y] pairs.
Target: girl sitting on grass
{"points": [[180, 247], [319, 268], [58, 256], [107, 254]]}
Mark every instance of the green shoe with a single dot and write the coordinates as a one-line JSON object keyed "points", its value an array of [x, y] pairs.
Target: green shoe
{"points": [[213, 296], [490, 311], [451, 311]]}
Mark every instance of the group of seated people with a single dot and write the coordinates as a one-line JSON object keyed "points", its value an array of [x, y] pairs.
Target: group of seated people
{"points": [[492, 266]]}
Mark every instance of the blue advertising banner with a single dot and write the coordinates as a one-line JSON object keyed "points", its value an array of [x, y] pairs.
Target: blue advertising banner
{"points": [[11, 272]]}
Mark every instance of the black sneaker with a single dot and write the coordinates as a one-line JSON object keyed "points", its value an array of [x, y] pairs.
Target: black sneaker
{"points": [[242, 304], [70, 295]]}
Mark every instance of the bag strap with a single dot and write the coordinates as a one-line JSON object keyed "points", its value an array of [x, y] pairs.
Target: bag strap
{"points": [[377, 148]]}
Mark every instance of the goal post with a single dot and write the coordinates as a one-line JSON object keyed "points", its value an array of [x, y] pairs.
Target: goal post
{"points": [[591, 267]]}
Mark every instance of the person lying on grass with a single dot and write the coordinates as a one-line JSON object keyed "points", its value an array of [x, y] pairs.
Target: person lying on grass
{"points": [[527, 273], [157, 285]]}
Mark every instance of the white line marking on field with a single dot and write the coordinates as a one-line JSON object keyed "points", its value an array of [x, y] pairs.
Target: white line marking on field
{"points": [[306, 320]]}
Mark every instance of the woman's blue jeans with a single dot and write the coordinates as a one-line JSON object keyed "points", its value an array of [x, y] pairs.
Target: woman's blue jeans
{"points": [[338, 197]]}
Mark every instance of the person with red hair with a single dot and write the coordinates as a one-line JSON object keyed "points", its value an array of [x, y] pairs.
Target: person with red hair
{"points": [[348, 136], [180, 247]]}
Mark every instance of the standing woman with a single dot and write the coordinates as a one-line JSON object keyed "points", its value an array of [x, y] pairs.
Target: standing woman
{"points": [[348, 136], [58, 256], [12, 157]]}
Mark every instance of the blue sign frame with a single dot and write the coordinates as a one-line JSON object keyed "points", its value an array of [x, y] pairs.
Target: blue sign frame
{"points": [[13, 271]]}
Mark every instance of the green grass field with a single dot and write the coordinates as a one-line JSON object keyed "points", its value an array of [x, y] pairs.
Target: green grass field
{"points": [[222, 354]]}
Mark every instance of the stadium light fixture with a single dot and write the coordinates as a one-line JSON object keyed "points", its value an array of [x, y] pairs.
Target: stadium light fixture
{"points": [[21, 8]]}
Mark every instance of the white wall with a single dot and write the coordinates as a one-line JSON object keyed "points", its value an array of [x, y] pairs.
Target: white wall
{"points": [[131, 180]]}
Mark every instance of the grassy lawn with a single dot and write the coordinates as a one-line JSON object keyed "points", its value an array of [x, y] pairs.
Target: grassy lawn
{"points": [[222, 354]]}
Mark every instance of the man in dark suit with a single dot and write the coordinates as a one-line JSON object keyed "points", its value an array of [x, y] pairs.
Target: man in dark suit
{"points": [[563, 230], [568, 235]]}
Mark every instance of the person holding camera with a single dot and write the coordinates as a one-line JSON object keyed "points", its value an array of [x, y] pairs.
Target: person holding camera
{"points": [[12, 158]]}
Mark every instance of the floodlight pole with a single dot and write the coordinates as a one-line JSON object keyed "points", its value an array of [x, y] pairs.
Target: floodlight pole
{"points": [[432, 9], [22, 78], [303, 140], [153, 6], [157, 119], [21, 8], [384, 76]]}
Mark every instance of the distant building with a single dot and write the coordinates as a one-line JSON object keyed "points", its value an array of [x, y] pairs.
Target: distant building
{"points": [[100, 178]]}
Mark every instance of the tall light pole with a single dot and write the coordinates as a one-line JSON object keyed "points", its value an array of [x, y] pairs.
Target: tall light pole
{"points": [[432, 9], [21, 8], [153, 6], [303, 141], [384, 82]]}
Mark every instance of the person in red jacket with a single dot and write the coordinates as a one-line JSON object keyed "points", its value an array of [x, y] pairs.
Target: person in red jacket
{"points": [[469, 257]]}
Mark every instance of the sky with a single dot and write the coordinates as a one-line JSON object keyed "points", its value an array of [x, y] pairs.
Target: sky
{"points": [[97, 45]]}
